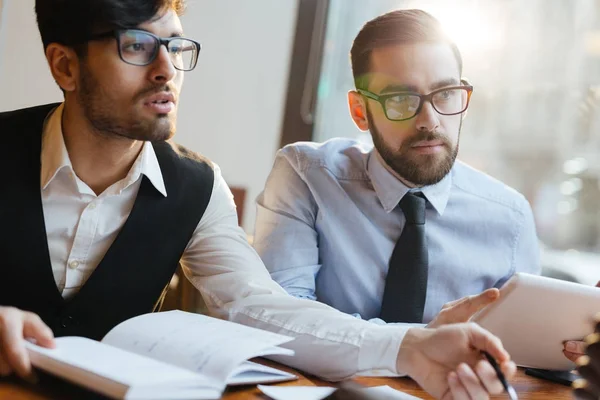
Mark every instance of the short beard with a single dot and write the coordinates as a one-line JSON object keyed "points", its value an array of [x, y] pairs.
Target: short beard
{"points": [[421, 170], [107, 120]]}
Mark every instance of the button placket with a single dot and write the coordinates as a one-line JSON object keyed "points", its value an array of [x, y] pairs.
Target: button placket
{"points": [[83, 240]]}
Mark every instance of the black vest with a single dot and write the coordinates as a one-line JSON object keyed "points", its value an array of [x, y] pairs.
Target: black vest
{"points": [[136, 268]]}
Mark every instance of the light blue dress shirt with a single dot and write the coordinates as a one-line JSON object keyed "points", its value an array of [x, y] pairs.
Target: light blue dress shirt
{"points": [[328, 221]]}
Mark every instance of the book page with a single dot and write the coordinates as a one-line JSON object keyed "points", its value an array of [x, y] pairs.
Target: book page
{"points": [[198, 343], [249, 373], [112, 369]]}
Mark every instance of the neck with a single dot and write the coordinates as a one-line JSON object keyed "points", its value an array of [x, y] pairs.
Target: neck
{"points": [[391, 170], [99, 159]]}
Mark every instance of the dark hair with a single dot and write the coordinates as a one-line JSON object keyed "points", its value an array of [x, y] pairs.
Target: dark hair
{"points": [[395, 28], [71, 22]]}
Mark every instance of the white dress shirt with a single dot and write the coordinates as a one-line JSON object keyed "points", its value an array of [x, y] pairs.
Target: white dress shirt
{"points": [[218, 260]]}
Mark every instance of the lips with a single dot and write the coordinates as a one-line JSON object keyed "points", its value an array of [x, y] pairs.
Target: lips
{"points": [[429, 143], [160, 98]]}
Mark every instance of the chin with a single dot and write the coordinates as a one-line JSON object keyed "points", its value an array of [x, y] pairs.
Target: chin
{"points": [[160, 136], [163, 129]]}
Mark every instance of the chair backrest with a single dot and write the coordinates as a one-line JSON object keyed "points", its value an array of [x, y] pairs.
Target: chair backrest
{"points": [[239, 197]]}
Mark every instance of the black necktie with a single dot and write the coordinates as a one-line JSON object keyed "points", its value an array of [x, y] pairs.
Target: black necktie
{"points": [[406, 282]]}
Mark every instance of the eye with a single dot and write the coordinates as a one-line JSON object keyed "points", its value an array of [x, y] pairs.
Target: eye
{"points": [[176, 49], [399, 99], [446, 94], [136, 47]]}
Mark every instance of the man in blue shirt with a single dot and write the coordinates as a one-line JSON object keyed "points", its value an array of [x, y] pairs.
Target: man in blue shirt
{"points": [[331, 223]]}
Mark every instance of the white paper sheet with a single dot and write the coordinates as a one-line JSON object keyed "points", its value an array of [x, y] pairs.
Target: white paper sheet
{"points": [[319, 393]]}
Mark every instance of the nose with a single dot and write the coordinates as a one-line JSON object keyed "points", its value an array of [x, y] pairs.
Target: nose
{"points": [[163, 70], [427, 119]]}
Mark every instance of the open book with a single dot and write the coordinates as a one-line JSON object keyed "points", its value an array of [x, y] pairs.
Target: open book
{"points": [[168, 355]]}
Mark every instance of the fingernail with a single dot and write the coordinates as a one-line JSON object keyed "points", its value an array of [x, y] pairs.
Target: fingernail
{"points": [[592, 338], [582, 361], [452, 376], [579, 384], [571, 346]]}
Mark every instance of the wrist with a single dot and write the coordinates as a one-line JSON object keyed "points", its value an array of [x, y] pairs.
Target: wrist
{"points": [[410, 353]]}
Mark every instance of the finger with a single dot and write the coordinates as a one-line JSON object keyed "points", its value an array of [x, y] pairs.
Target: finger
{"points": [[457, 389], [483, 340], [592, 339], [589, 375], [575, 347], [471, 383], [593, 358], [487, 375], [451, 304], [589, 369], [5, 369], [13, 348], [469, 305], [35, 328], [588, 387], [509, 369], [573, 357]]}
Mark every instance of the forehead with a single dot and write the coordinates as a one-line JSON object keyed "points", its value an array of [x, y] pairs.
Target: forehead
{"points": [[418, 66], [166, 24]]}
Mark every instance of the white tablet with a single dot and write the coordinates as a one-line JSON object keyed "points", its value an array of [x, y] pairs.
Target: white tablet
{"points": [[535, 315]]}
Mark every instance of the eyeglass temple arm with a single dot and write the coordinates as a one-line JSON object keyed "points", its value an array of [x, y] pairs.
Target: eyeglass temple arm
{"points": [[368, 94]]}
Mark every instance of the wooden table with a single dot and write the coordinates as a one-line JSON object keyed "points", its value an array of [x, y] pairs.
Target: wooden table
{"points": [[527, 387]]}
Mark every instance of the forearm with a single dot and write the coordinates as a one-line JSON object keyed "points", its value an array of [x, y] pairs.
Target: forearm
{"points": [[328, 343]]}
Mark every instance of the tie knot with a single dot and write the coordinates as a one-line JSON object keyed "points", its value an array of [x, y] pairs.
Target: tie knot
{"points": [[413, 207]]}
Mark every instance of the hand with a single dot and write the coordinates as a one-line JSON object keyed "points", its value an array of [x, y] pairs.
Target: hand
{"points": [[573, 349], [462, 310], [588, 367], [15, 325], [447, 361]]}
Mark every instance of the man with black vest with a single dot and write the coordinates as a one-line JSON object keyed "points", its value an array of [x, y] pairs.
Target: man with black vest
{"points": [[99, 207]]}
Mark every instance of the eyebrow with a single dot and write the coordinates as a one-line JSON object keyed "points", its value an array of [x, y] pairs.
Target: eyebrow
{"points": [[173, 34], [394, 88]]}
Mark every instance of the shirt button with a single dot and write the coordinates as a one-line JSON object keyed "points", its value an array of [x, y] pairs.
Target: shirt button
{"points": [[67, 321], [92, 206], [73, 264]]}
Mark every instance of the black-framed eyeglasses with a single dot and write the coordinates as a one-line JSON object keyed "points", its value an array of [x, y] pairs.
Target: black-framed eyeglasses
{"points": [[138, 47], [402, 106]]}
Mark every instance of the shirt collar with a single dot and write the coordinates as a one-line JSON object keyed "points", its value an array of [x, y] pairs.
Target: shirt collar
{"points": [[55, 158], [151, 168], [390, 189]]}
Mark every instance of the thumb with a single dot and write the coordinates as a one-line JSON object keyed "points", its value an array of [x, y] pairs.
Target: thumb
{"points": [[598, 284], [35, 328], [483, 340]]}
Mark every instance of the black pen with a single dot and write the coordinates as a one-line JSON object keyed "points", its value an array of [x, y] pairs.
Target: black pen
{"points": [[512, 394]]}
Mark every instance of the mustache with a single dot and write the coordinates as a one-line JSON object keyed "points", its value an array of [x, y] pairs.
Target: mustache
{"points": [[427, 136]]}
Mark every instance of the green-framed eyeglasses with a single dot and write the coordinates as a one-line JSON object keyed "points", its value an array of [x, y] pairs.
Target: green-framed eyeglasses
{"points": [[402, 106]]}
